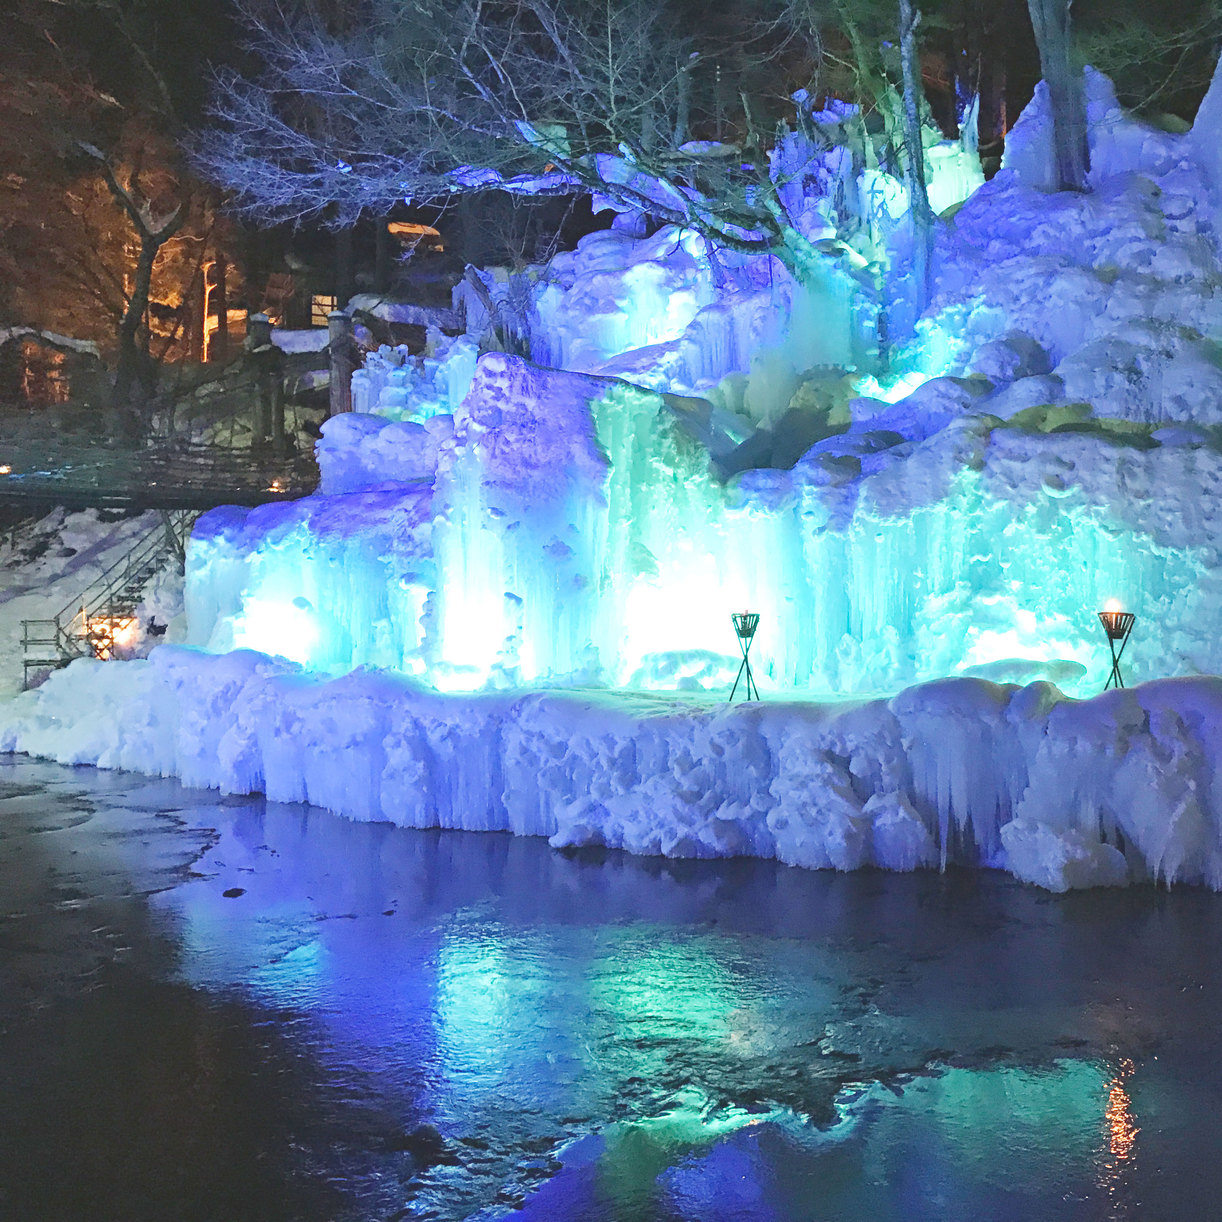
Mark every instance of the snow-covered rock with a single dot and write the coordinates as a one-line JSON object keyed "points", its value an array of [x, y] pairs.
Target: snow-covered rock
{"points": [[358, 452]]}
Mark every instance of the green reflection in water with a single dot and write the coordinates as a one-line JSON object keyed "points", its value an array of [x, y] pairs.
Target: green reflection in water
{"points": [[499, 1006], [1055, 1142], [668, 991], [638, 1154], [1012, 1127]]}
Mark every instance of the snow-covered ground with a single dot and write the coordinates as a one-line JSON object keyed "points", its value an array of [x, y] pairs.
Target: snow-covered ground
{"points": [[47, 564]]}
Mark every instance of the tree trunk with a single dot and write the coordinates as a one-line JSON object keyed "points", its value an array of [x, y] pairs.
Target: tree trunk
{"points": [[684, 110], [195, 316], [218, 350], [10, 372], [132, 384], [345, 272], [918, 194], [276, 392], [1066, 94], [259, 352], [135, 366], [382, 256]]}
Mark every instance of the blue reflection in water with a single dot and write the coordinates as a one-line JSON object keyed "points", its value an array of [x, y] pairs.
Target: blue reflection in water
{"points": [[593, 1045], [1004, 1143]]}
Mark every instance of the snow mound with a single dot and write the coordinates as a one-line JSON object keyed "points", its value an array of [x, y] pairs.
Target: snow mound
{"points": [[1061, 793], [358, 452]]}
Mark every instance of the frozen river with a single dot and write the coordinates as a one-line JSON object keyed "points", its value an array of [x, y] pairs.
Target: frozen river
{"points": [[228, 1009]]}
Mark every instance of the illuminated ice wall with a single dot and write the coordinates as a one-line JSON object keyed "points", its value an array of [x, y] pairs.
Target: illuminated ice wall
{"points": [[726, 438], [573, 532]]}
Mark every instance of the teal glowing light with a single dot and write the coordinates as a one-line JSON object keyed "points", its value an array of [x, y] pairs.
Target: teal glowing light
{"points": [[640, 591], [637, 1154], [1058, 1116], [935, 547], [471, 600], [667, 992], [885, 195], [893, 389], [952, 173], [480, 988], [1048, 640]]}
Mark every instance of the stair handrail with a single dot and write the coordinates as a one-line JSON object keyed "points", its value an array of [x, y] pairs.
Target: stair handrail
{"points": [[175, 525]]}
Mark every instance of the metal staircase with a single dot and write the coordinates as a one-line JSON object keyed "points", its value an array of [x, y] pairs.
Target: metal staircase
{"points": [[96, 623]]}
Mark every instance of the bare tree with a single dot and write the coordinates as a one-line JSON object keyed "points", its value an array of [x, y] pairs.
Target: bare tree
{"points": [[918, 195], [422, 100], [96, 193], [1066, 92], [153, 230], [1156, 65]]}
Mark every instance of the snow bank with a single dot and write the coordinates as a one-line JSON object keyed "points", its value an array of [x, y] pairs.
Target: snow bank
{"points": [[358, 452], [1052, 440], [1060, 793], [310, 339], [48, 564], [1120, 287]]}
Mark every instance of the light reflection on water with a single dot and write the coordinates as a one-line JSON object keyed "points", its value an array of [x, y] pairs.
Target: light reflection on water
{"points": [[603, 1038]]}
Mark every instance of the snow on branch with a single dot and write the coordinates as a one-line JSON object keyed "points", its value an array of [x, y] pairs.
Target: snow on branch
{"points": [[49, 339], [426, 100]]}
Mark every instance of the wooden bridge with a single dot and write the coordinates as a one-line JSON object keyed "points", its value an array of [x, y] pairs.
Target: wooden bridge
{"points": [[172, 474], [235, 437]]}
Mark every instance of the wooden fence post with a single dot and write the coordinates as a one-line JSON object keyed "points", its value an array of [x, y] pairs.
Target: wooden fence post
{"points": [[276, 389], [258, 345], [343, 360]]}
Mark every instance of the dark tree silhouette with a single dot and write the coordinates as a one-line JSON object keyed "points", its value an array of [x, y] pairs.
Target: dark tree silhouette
{"points": [[1050, 20]]}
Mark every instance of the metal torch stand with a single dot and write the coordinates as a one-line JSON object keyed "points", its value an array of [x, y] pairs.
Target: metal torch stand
{"points": [[1121, 632], [744, 628]]}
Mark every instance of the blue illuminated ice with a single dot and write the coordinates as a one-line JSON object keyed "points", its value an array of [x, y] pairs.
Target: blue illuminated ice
{"points": [[926, 517], [567, 528]]}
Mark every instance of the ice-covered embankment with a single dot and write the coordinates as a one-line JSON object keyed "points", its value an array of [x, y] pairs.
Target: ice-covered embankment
{"points": [[1059, 792]]}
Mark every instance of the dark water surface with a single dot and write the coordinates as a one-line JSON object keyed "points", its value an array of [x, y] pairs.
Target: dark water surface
{"points": [[232, 1009]]}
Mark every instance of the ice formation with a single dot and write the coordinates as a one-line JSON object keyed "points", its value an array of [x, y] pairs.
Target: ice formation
{"points": [[699, 432], [1061, 793], [566, 528]]}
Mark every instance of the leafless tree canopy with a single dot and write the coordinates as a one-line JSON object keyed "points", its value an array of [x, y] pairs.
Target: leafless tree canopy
{"points": [[363, 106], [361, 117]]}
